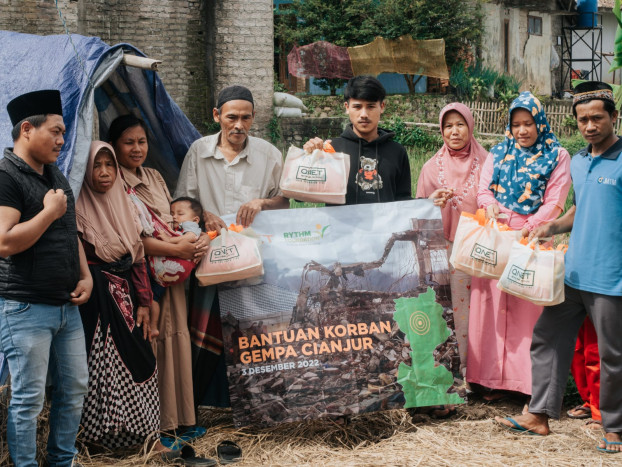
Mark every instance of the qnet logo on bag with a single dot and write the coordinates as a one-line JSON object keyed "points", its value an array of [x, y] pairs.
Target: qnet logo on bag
{"points": [[483, 254], [224, 253], [524, 277], [311, 174]]}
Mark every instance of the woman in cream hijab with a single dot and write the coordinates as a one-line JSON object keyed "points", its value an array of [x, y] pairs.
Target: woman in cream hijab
{"points": [[122, 407]]}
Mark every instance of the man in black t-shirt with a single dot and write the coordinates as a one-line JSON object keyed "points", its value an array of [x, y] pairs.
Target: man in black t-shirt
{"points": [[44, 276]]}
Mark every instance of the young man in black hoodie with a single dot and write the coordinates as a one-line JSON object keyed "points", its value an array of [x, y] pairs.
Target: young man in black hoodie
{"points": [[379, 167]]}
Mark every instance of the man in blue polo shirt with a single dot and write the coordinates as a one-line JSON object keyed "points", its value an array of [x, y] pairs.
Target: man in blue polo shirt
{"points": [[593, 275]]}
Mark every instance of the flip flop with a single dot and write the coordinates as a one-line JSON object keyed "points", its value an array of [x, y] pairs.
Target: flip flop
{"points": [[517, 428], [609, 443], [228, 452], [587, 412], [187, 456], [598, 424], [193, 433], [173, 443]]}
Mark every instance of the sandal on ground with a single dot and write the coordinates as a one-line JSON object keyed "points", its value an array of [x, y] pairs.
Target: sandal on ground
{"points": [[441, 412], [228, 452], [170, 456], [173, 443], [192, 433], [188, 457], [607, 444], [516, 427], [584, 412], [592, 424]]}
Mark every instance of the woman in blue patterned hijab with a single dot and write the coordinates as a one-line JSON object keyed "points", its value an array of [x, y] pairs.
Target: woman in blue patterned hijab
{"points": [[521, 173], [526, 177]]}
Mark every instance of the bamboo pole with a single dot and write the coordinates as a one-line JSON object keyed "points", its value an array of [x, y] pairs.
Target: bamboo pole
{"points": [[141, 62]]}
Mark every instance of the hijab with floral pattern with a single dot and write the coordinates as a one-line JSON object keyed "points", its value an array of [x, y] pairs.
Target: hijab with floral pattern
{"points": [[520, 174]]}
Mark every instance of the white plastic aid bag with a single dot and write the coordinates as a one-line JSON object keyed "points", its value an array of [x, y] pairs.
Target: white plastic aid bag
{"points": [[231, 256], [533, 274], [319, 177], [481, 250]]}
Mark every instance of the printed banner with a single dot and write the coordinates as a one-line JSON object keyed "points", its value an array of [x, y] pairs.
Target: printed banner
{"points": [[352, 315]]}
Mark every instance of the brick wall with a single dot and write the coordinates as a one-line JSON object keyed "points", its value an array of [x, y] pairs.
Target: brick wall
{"points": [[204, 44], [243, 51]]}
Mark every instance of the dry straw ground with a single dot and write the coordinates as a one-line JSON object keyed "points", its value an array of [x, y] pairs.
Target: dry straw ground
{"points": [[385, 438]]}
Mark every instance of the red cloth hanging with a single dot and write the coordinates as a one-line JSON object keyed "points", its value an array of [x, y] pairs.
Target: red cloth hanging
{"points": [[585, 367]]}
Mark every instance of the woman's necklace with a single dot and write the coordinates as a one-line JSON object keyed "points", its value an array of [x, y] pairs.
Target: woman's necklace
{"points": [[459, 195]]}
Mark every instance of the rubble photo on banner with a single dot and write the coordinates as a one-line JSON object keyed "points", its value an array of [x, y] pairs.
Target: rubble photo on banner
{"points": [[352, 315]]}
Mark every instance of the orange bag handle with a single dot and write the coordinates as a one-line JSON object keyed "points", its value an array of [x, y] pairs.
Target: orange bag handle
{"points": [[480, 217], [235, 227]]}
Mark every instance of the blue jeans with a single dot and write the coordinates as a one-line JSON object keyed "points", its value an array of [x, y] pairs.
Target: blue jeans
{"points": [[37, 339]]}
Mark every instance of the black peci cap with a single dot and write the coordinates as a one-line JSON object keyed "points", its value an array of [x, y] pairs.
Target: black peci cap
{"points": [[42, 102], [234, 93]]}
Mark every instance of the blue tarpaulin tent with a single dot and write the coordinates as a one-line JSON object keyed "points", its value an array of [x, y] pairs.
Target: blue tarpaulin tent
{"points": [[95, 87]]}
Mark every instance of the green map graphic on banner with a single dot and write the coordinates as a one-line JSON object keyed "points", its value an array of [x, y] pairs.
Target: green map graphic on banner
{"points": [[424, 383], [318, 334]]}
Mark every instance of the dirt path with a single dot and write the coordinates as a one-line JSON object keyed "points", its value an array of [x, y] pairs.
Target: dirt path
{"points": [[391, 438]]}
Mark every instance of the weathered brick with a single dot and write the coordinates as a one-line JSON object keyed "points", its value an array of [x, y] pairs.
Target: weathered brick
{"points": [[176, 32]]}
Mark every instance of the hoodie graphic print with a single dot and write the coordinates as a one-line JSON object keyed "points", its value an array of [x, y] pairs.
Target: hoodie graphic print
{"points": [[379, 169]]}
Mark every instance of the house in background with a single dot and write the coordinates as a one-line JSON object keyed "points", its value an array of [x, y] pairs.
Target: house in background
{"points": [[609, 26], [549, 42], [523, 38]]}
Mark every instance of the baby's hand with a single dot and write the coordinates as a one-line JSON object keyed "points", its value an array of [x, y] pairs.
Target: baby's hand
{"points": [[153, 333]]}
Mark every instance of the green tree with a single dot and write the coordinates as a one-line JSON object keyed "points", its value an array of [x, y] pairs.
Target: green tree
{"points": [[356, 22], [342, 22]]}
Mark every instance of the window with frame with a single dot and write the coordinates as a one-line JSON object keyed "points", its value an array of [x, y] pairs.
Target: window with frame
{"points": [[534, 25]]}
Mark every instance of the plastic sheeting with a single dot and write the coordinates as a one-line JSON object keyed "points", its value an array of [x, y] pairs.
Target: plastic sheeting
{"points": [[403, 55], [31, 63], [320, 60]]}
